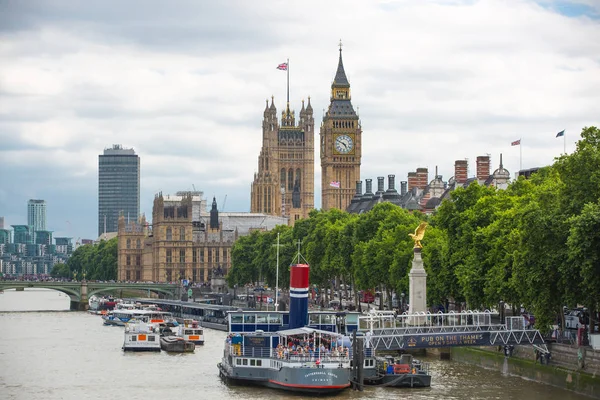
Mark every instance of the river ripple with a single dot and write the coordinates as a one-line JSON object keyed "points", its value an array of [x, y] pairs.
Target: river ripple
{"points": [[70, 355]]}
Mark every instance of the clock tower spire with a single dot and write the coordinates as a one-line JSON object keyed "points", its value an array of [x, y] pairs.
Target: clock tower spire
{"points": [[340, 148]]}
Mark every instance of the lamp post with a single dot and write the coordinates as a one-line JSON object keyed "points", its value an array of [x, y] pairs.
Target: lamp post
{"points": [[402, 302]]}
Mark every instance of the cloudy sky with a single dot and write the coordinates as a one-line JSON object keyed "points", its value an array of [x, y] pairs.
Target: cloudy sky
{"points": [[184, 83]]}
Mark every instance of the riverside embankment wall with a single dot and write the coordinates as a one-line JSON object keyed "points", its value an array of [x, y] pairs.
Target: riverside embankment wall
{"points": [[570, 367]]}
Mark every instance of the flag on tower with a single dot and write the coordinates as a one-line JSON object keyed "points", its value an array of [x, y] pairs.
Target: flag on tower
{"points": [[561, 133], [283, 66], [516, 143], [334, 184]]}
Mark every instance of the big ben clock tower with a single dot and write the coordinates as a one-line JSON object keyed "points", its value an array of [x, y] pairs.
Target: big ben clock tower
{"points": [[340, 145]]}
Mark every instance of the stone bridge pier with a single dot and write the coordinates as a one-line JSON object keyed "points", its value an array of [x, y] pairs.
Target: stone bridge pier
{"points": [[82, 303]]}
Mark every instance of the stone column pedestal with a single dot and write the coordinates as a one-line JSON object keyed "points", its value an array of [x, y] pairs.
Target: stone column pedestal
{"points": [[417, 287]]}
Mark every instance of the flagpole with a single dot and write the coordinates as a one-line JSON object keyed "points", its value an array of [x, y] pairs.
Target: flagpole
{"points": [[565, 142], [520, 155], [288, 81]]}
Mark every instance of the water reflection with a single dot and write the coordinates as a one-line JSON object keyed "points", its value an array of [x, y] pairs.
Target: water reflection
{"points": [[71, 355]]}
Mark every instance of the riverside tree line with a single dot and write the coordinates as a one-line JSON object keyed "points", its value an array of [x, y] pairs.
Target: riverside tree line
{"points": [[535, 244]]}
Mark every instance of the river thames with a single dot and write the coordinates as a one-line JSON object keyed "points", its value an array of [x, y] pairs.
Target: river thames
{"points": [[59, 354]]}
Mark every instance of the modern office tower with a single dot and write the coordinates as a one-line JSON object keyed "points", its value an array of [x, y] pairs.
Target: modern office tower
{"points": [[118, 187], [36, 214], [1, 222]]}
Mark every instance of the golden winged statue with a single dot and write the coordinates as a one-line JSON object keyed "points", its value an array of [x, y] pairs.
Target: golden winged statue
{"points": [[418, 235]]}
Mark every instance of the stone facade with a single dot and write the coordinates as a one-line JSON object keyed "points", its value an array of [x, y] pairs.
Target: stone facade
{"points": [[182, 243], [341, 145], [284, 183]]}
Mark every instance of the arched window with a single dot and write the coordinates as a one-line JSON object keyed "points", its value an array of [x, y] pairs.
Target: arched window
{"points": [[290, 184], [298, 178], [282, 178], [128, 243], [138, 244], [182, 233], [169, 233]]}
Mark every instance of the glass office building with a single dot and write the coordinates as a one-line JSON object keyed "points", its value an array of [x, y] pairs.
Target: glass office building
{"points": [[118, 187]]}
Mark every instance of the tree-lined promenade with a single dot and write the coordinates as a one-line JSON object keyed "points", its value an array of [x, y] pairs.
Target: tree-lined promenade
{"points": [[535, 244]]}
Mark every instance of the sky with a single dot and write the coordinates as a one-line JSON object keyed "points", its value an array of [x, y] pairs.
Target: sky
{"points": [[184, 84]]}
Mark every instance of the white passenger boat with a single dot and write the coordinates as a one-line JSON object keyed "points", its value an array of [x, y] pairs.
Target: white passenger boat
{"points": [[141, 336], [191, 331]]}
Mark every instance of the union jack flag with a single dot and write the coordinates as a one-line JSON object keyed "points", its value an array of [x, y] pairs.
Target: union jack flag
{"points": [[334, 184], [516, 143], [282, 66]]}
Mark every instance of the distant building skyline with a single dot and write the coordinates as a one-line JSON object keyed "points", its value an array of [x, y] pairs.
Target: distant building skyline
{"points": [[36, 214], [118, 187]]}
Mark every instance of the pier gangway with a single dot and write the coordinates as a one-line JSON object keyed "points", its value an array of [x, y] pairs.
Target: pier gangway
{"points": [[386, 330]]}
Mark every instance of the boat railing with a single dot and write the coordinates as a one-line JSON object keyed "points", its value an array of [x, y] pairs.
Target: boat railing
{"points": [[267, 352]]}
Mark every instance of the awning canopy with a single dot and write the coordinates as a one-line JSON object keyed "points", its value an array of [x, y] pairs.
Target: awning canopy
{"points": [[306, 331]]}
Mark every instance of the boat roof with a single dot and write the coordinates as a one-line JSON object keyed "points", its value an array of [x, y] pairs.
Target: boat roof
{"points": [[305, 331]]}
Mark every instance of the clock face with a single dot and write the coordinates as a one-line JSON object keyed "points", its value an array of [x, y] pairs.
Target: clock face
{"points": [[344, 144]]}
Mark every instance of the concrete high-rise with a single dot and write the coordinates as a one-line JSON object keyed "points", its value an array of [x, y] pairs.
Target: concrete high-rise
{"points": [[118, 187], [36, 214]]}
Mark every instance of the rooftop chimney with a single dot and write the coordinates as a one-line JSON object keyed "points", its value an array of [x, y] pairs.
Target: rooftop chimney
{"points": [[412, 180], [358, 192], [369, 192], [460, 171], [422, 178], [380, 184], [483, 168], [391, 193], [403, 188]]}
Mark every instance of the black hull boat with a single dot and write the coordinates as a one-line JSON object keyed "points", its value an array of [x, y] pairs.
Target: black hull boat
{"points": [[402, 372], [174, 344]]}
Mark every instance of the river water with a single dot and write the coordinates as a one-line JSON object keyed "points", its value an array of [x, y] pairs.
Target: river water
{"points": [[70, 355]]}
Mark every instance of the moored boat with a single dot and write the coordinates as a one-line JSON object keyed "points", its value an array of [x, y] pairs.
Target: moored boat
{"points": [[299, 359], [191, 331], [174, 344], [141, 336], [404, 371]]}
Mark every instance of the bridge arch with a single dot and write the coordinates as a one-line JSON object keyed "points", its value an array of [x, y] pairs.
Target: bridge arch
{"points": [[73, 293]]}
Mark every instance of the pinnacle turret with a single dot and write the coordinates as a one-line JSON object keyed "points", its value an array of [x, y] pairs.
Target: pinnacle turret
{"points": [[340, 79]]}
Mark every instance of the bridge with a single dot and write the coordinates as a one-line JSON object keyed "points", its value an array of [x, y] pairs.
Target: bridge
{"points": [[80, 292], [388, 331]]}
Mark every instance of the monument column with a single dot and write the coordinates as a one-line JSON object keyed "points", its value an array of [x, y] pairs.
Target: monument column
{"points": [[417, 284], [417, 277]]}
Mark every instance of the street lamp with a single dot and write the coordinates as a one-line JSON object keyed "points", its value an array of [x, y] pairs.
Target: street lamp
{"points": [[402, 302]]}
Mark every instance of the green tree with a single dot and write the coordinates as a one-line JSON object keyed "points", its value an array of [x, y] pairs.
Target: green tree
{"points": [[584, 254]]}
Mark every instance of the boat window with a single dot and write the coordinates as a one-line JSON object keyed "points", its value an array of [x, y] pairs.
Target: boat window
{"points": [[245, 361], [327, 319], [238, 361], [351, 319], [134, 338], [313, 319], [151, 338], [275, 319], [261, 319], [249, 319], [253, 363], [259, 363]]}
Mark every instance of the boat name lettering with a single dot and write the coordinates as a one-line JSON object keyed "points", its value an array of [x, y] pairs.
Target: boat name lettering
{"points": [[320, 373]]}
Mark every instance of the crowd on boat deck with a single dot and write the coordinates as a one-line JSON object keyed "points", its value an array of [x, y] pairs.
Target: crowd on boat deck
{"points": [[304, 350], [299, 349]]}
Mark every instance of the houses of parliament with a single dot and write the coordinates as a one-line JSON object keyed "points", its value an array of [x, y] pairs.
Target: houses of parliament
{"points": [[285, 183]]}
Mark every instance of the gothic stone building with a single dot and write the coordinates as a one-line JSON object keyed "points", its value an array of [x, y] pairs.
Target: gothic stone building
{"points": [[182, 244], [284, 183], [341, 137]]}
